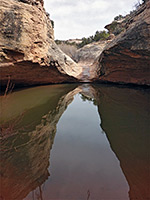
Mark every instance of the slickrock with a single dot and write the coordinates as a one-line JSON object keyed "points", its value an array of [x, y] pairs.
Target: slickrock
{"points": [[85, 57], [90, 52]]}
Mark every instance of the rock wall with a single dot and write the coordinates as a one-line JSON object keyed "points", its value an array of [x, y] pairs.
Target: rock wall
{"points": [[28, 53], [127, 58]]}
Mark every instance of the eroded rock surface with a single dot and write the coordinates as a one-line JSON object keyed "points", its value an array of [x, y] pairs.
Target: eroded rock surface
{"points": [[85, 57], [127, 58], [28, 53]]}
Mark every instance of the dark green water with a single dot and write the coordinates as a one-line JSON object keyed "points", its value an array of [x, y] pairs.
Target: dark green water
{"points": [[75, 142]]}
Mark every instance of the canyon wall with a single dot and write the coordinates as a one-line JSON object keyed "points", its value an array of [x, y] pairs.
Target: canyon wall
{"points": [[127, 58], [28, 53]]}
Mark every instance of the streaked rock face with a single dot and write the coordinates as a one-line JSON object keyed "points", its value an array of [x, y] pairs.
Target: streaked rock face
{"points": [[127, 58], [26, 38]]}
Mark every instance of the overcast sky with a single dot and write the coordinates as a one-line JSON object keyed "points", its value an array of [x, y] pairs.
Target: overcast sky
{"points": [[82, 18]]}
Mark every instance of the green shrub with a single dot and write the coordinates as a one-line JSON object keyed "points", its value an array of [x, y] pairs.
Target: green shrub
{"points": [[119, 17], [99, 35]]}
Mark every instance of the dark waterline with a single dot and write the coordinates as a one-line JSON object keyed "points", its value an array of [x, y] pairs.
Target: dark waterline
{"points": [[86, 142]]}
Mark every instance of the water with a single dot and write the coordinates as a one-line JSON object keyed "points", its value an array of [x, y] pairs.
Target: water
{"points": [[75, 142]]}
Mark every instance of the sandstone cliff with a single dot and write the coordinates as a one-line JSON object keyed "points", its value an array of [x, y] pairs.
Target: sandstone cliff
{"points": [[28, 53], [127, 58]]}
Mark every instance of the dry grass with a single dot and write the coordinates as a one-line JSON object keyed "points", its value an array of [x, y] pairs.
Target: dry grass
{"points": [[9, 88], [7, 129]]}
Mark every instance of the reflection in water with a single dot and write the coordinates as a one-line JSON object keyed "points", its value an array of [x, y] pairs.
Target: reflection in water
{"points": [[82, 164], [125, 115], [24, 156]]}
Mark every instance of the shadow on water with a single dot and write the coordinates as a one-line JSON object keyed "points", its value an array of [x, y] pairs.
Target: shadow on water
{"points": [[25, 153]]}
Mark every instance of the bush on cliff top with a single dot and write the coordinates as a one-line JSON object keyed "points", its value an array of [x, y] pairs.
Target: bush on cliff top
{"points": [[99, 35]]}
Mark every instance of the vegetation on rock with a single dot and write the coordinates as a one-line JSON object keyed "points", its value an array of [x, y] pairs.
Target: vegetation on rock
{"points": [[99, 35]]}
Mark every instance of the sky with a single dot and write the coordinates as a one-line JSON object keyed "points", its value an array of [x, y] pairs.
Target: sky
{"points": [[82, 18]]}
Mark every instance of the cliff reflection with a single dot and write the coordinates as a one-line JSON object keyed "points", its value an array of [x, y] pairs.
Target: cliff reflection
{"points": [[25, 153], [125, 118], [24, 156]]}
